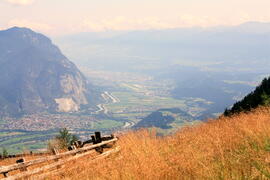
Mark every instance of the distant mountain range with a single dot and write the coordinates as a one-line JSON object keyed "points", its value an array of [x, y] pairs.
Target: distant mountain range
{"points": [[231, 45], [36, 77], [219, 64]]}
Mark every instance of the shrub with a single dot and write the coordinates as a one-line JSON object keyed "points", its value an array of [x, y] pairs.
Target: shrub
{"points": [[62, 140], [4, 153]]}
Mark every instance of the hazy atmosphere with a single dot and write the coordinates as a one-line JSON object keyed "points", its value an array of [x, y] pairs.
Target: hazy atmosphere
{"points": [[182, 85], [67, 16], [136, 63]]}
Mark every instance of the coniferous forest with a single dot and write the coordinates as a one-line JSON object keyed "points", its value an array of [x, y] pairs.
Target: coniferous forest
{"points": [[259, 97]]}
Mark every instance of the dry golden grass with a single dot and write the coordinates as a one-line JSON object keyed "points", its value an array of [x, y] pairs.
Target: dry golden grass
{"points": [[227, 148]]}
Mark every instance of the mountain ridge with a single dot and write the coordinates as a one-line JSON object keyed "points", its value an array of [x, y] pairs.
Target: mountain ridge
{"points": [[35, 76]]}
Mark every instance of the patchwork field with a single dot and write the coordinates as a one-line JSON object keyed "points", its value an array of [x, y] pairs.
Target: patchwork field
{"points": [[128, 99], [18, 141], [137, 101]]}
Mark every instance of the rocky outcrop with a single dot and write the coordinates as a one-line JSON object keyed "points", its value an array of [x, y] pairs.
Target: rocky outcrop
{"points": [[35, 76]]}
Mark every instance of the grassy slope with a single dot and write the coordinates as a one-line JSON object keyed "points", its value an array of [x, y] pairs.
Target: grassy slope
{"points": [[227, 148]]}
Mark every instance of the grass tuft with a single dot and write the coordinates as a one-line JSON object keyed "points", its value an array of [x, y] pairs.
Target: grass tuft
{"points": [[225, 148]]}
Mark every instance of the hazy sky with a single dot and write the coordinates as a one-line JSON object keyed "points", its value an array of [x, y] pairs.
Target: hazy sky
{"points": [[56, 17]]}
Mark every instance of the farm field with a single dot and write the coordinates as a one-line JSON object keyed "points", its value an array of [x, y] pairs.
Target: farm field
{"points": [[18, 141], [136, 102], [127, 101]]}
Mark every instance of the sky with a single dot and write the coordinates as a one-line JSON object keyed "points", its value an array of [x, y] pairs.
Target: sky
{"points": [[61, 17]]}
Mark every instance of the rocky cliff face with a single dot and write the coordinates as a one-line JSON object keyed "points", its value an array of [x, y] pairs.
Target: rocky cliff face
{"points": [[35, 76]]}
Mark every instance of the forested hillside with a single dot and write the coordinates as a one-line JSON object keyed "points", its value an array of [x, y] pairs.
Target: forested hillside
{"points": [[259, 97]]}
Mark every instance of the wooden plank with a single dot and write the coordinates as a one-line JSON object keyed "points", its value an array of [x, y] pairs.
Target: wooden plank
{"points": [[5, 174], [104, 138], [107, 153], [55, 151], [57, 171], [98, 137], [5, 169], [43, 168], [60, 162], [93, 138], [21, 161]]}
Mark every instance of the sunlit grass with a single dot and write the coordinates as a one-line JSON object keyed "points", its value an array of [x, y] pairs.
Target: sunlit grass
{"points": [[226, 148]]}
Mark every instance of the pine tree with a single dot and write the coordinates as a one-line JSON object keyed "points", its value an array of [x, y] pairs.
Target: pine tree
{"points": [[4, 153], [259, 97], [65, 138], [265, 99]]}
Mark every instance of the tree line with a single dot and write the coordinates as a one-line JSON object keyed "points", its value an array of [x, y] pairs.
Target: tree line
{"points": [[259, 97]]}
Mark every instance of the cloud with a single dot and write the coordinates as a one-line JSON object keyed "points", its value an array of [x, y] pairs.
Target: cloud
{"points": [[180, 21], [123, 23], [42, 27], [20, 2], [187, 20]]}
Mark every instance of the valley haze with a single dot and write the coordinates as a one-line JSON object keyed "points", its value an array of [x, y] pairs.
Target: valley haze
{"points": [[125, 78], [135, 89]]}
